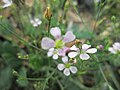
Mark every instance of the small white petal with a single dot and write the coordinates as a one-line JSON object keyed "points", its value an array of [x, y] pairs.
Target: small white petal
{"points": [[47, 43], [69, 36], [32, 21], [60, 66], [55, 56], [55, 32], [92, 50], [74, 48], [6, 5], [36, 19], [72, 54], [66, 71], [84, 56], [35, 24], [112, 50], [39, 22], [51, 49], [65, 59], [49, 54], [116, 46], [85, 46], [73, 69]]}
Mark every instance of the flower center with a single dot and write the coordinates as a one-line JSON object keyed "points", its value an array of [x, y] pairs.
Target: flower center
{"points": [[82, 51], [67, 65], [59, 44], [55, 51]]}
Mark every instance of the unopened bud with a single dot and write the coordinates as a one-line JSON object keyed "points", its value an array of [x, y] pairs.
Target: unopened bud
{"points": [[113, 18], [48, 13], [100, 47]]}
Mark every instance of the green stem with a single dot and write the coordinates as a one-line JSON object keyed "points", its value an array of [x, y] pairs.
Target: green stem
{"points": [[61, 86], [101, 70], [74, 7], [49, 24], [113, 76], [46, 80], [32, 79]]}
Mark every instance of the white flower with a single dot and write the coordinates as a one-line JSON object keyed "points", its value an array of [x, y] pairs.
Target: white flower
{"points": [[82, 52], [67, 67], [115, 49], [7, 3], [59, 40], [53, 52], [35, 22]]}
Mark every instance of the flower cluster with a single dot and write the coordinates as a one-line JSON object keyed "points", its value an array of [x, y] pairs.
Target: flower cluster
{"points": [[115, 48], [57, 47], [35, 22]]}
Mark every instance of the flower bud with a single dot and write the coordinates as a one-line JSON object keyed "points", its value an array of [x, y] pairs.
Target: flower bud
{"points": [[48, 13], [100, 47]]}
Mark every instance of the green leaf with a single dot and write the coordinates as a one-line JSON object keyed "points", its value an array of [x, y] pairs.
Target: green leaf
{"points": [[22, 81], [5, 78]]}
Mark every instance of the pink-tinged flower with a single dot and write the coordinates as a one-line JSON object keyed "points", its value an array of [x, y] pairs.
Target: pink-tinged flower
{"points": [[7, 3], [115, 49], [59, 42], [67, 67], [83, 52], [35, 22]]}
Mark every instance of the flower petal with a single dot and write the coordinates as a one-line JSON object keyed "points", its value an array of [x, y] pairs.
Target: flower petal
{"points": [[55, 32], [6, 5], [66, 71], [73, 69], [62, 52], [84, 56], [39, 22], [74, 48], [60, 66], [47, 43], [32, 21], [92, 50], [35, 24], [51, 49], [49, 54], [112, 50], [69, 36], [65, 59], [72, 54], [36, 19], [55, 56], [116, 46], [85, 46]]}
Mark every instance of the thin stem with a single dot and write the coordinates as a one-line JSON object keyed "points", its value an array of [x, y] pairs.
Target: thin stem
{"points": [[101, 70], [112, 76], [61, 86], [46, 80], [97, 16], [49, 24], [80, 16], [32, 79]]}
